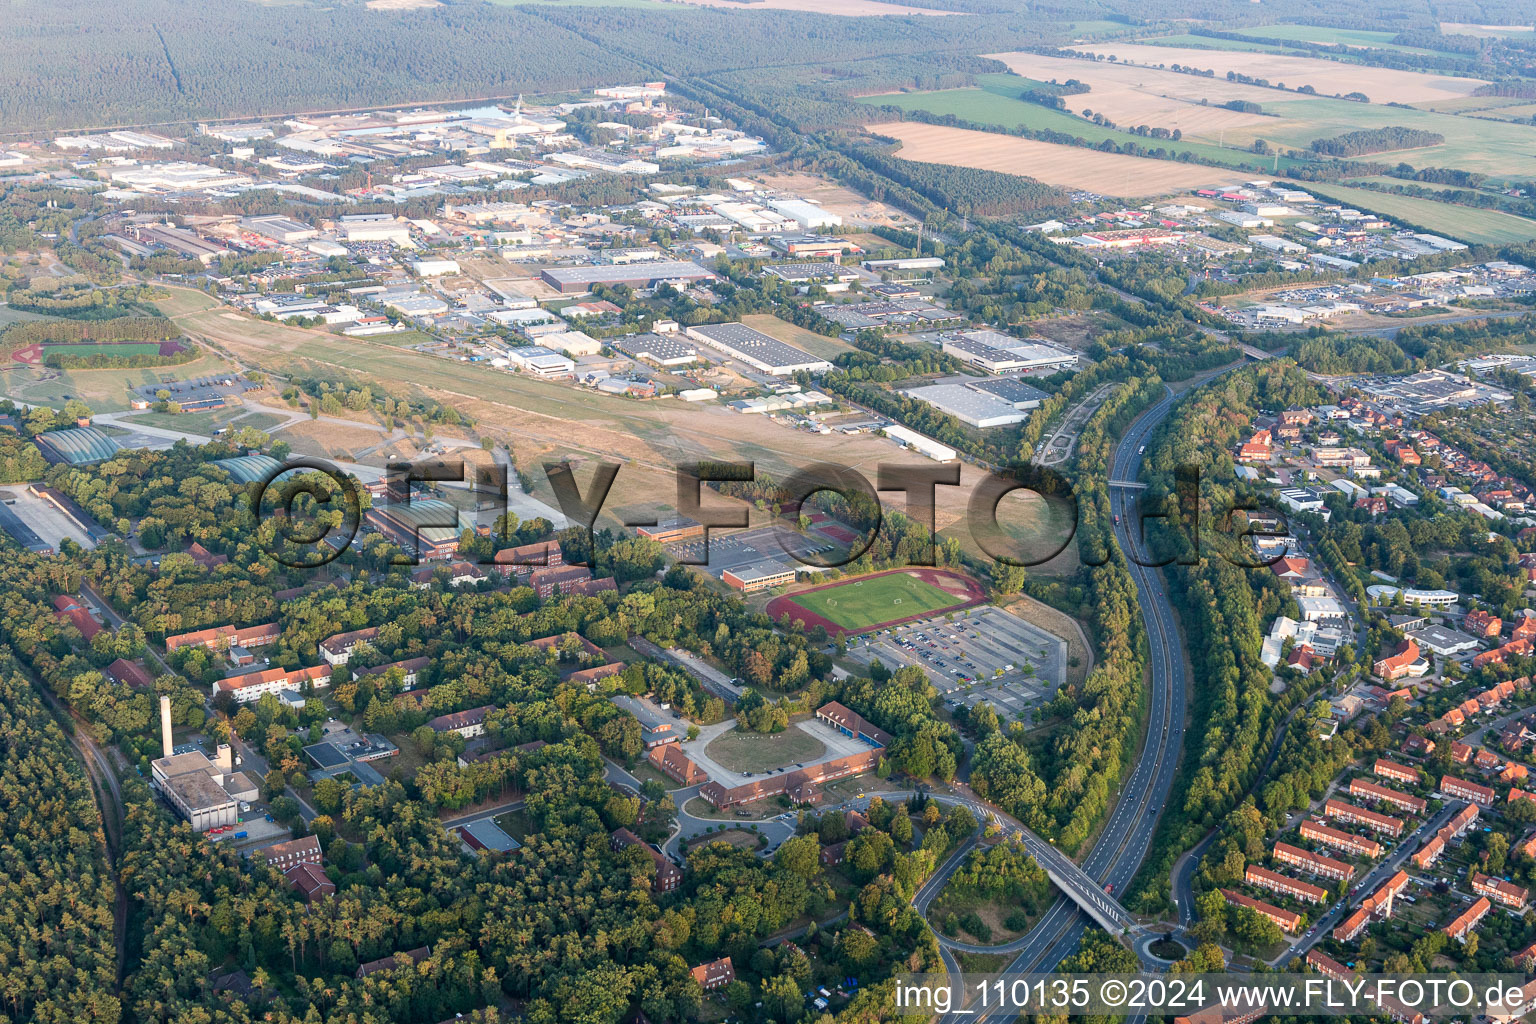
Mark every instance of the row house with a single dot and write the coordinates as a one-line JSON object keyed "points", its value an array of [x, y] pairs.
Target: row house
{"points": [[1397, 772], [217, 638], [1513, 649], [1274, 881], [1402, 801], [668, 877], [1311, 863], [1468, 919], [1378, 906], [1482, 624], [337, 650], [1348, 812], [1360, 846], [1464, 790], [1501, 891], [1285, 919], [252, 686]]}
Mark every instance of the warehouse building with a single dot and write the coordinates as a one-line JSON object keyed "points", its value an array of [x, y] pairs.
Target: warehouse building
{"points": [[757, 349], [569, 280], [660, 349], [918, 443], [996, 352], [977, 408], [1011, 390]]}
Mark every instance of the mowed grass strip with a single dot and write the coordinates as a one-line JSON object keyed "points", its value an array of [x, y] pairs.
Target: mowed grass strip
{"points": [[859, 604]]}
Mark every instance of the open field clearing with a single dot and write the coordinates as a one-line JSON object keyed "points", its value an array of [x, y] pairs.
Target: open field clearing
{"points": [[760, 752], [1459, 222], [1326, 76], [1461, 28], [1358, 38], [1068, 166], [1195, 42], [102, 390], [546, 420], [1132, 95], [994, 104], [854, 208]]}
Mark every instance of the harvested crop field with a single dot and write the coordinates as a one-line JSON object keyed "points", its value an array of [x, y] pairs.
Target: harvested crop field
{"points": [[1130, 95], [1068, 166], [1328, 77]]}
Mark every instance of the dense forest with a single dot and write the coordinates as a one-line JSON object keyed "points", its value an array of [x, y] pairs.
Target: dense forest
{"points": [[58, 960], [1376, 140]]}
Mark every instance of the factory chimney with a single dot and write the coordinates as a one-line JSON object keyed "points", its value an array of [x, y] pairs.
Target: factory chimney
{"points": [[165, 724], [226, 759]]}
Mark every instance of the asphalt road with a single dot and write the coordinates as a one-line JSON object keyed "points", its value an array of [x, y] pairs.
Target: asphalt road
{"points": [[1127, 836], [1369, 883]]}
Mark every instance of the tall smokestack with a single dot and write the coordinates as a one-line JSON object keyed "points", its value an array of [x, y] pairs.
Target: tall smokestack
{"points": [[165, 724], [225, 759]]}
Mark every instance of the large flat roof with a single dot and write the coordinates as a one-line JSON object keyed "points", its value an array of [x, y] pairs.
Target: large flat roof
{"points": [[655, 270], [761, 350]]}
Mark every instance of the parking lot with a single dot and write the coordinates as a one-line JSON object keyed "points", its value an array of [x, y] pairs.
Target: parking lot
{"points": [[983, 654], [44, 518], [734, 550]]}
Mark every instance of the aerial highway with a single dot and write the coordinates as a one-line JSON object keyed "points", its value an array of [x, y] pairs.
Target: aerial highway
{"points": [[1127, 836]]}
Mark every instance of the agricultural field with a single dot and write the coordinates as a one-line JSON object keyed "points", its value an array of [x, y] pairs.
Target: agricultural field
{"points": [[1460, 222], [856, 605], [1328, 77], [1194, 42], [993, 106], [1131, 95], [1331, 37], [1068, 166]]}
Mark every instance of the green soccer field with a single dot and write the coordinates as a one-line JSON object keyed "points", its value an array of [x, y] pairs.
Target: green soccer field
{"points": [[859, 604]]}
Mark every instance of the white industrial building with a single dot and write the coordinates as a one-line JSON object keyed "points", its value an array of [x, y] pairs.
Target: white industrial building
{"points": [[434, 267], [968, 405], [918, 443], [808, 215], [541, 362]]}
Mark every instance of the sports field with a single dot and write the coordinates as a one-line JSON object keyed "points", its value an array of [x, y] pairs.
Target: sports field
{"points": [[760, 752], [858, 605], [106, 348]]}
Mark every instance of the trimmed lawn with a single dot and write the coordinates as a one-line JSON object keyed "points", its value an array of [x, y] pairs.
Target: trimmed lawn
{"points": [[759, 752], [859, 604]]}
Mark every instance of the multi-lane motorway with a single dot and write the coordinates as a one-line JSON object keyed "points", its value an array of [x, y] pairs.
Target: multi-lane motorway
{"points": [[1127, 836]]}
